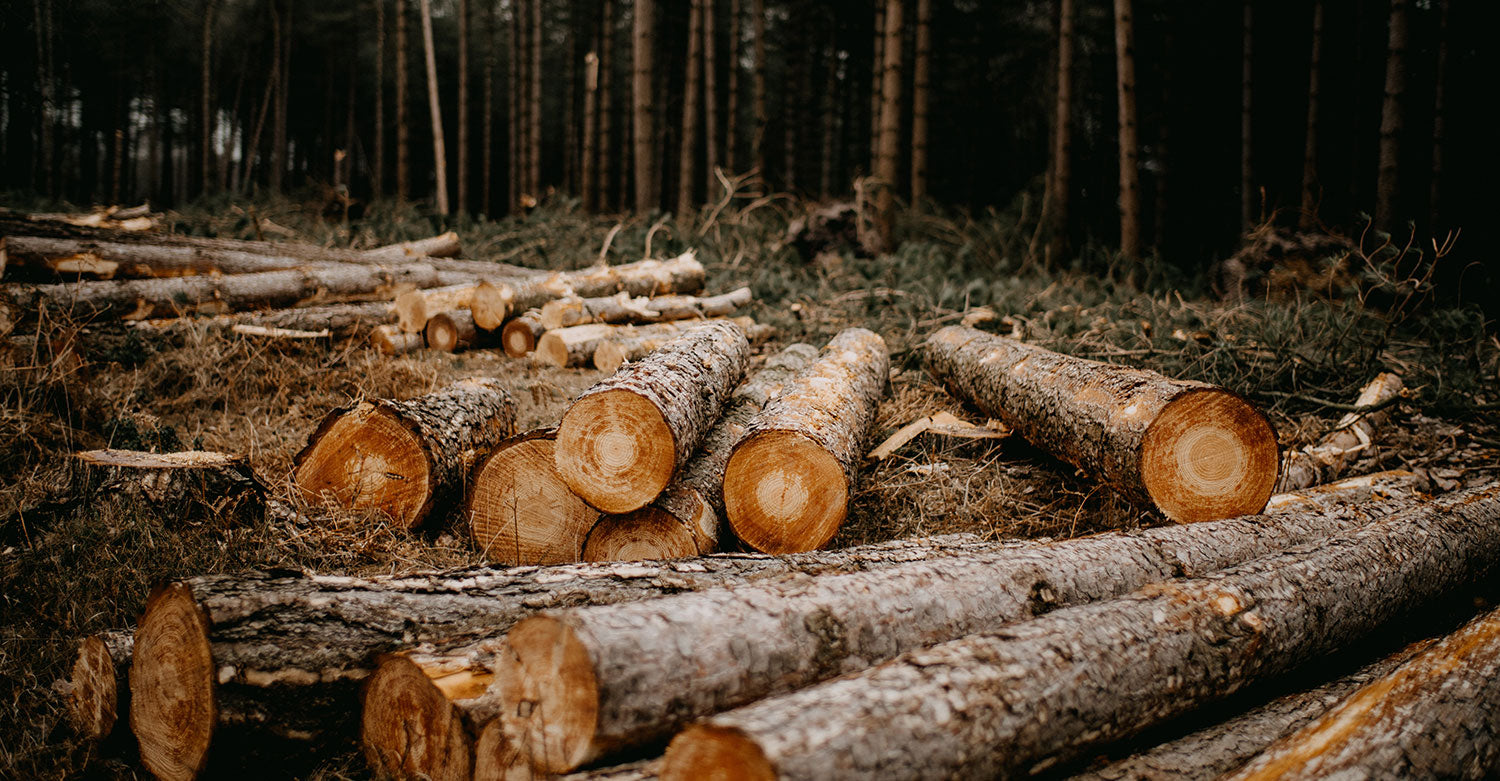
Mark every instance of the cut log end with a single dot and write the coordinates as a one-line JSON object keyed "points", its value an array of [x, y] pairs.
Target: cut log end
{"points": [[497, 759], [518, 338], [705, 752], [784, 493], [491, 304], [442, 333], [409, 728], [93, 696], [647, 533], [551, 669], [609, 356], [1209, 455], [615, 450], [368, 460], [521, 512], [172, 707]]}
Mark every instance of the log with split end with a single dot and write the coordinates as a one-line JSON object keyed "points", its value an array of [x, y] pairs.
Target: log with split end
{"points": [[519, 510], [1192, 451], [788, 482], [404, 458]]}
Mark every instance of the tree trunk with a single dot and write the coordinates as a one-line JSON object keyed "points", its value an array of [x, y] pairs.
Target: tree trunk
{"points": [[519, 335], [487, 134], [832, 107], [620, 443], [1058, 205], [453, 331], [439, 156], [279, 148], [205, 114], [463, 106], [888, 171], [632, 343], [415, 307], [514, 120], [1103, 671], [1352, 438], [606, 146], [446, 245], [1309, 217], [758, 85], [919, 98], [643, 47], [1130, 174], [1437, 716], [519, 511], [588, 172], [877, 79], [97, 691], [565, 312], [377, 150], [789, 480], [1189, 450], [1439, 121], [684, 520], [710, 100], [1247, 170], [403, 109], [805, 631], [407, 459], [687, 173], [494, 302], [534, 107], [1391, 118], [1213, 751], [732, 107], [424, 707], [391, 340], [794, 56], [339, 321]]}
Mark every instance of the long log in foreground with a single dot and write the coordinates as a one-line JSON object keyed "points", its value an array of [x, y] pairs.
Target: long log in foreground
{"points": [[624, 438], [599, 681], [519, 511], [788, 482], [622, 308], [685, 519], [1437, 716], [408, 458], [1048, 690], [1352, 437], [494, 302], [1190, 450]]}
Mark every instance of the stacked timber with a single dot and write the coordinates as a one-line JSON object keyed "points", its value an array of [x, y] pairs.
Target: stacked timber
{"points": [[622, 308], [519, 510], [390, 340], [493, 302], [404, 459], [453, 331], [520, 334], [607, 346], [1188, 450]]}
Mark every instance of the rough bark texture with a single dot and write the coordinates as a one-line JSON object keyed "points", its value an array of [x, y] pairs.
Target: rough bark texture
{"points": [[520, 334], [687, 158], [1047, 690], [621, 308], [623, 439], [788, 481], [629, 343], [920, 95], [1353, 437], [887, 169], [453, 331], [766, 639], [643, 28], [695, 499], [1211, 752], [439, 156], [96, 689], [414, 730], [391, 340], [493, 302], [1062, 137], [341, 321], [519, 511], [1437, 716], [1130, 174], [408, 459], [1118, 423], [1392, 112]]}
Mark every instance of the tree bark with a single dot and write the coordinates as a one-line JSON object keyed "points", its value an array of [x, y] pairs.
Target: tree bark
{"points": [[487, 134], [519, 511], [1247, 93], [1437, 716], [804, 631], [519, 335], [403, 109], [684, 520], [758, 84], [687, 172], [606, 187], [453, 331], [1058, 206], [1352, 437], [588, 172], [97, 691], [463, 106], [710, 100], [1309, 217], [534, 97], [1189, 450], [514, 121], [919, 98], [198, 485], [439, 155], [1130, 174], [620, 443], [788, 482], [732, 107], [1103, 671], [339, 321], [446, 245], [407, 459], [888, 171], [377, 150], [643, 48], [205, 108], [279, 148], [565, 312], [877, 79], [493, 302], [633, 343], [1392, 118]]}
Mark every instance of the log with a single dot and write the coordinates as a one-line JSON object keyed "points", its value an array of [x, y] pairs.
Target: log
{"points": [[578, 345], [788, 482], [415, 307], [1352, 437], [622, 308], [684, 520], [520, 333], [1024, 698], [197, 485], [1209, 753], [1436, 716], [453, 331], [495, 301], [638, 342], [1191, 451], [148, 298], [408, 459], [95, 693], [391, 340], [417, 696], [445, 246], [570, 346], [621, 441], [601, 681], [519, 511]]}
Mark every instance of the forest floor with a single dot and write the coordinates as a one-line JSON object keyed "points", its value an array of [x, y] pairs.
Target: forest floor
{"points": [[1298, 355]]}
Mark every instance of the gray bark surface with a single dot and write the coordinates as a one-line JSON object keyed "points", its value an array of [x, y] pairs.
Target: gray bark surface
{"points": [[1021, 699]]}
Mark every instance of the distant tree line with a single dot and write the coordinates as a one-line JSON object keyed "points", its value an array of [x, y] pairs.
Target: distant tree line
{"points": [[1151, 123]]}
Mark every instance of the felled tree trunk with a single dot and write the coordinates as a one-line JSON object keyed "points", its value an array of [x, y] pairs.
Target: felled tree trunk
{"points": [[519, 511], [96, 690], [1189, 450], [572, 346], [1103, 671], [622, 308], [407, 459], [1437, 716], [521, 333], [684, 520], [623, 439], [341, 321], [453, 331], [811, 630], [445, 246], [1354, 435], [197, 485], [636, 342], [788, 481], [415, 307], [391, 340], [494, 302]]}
